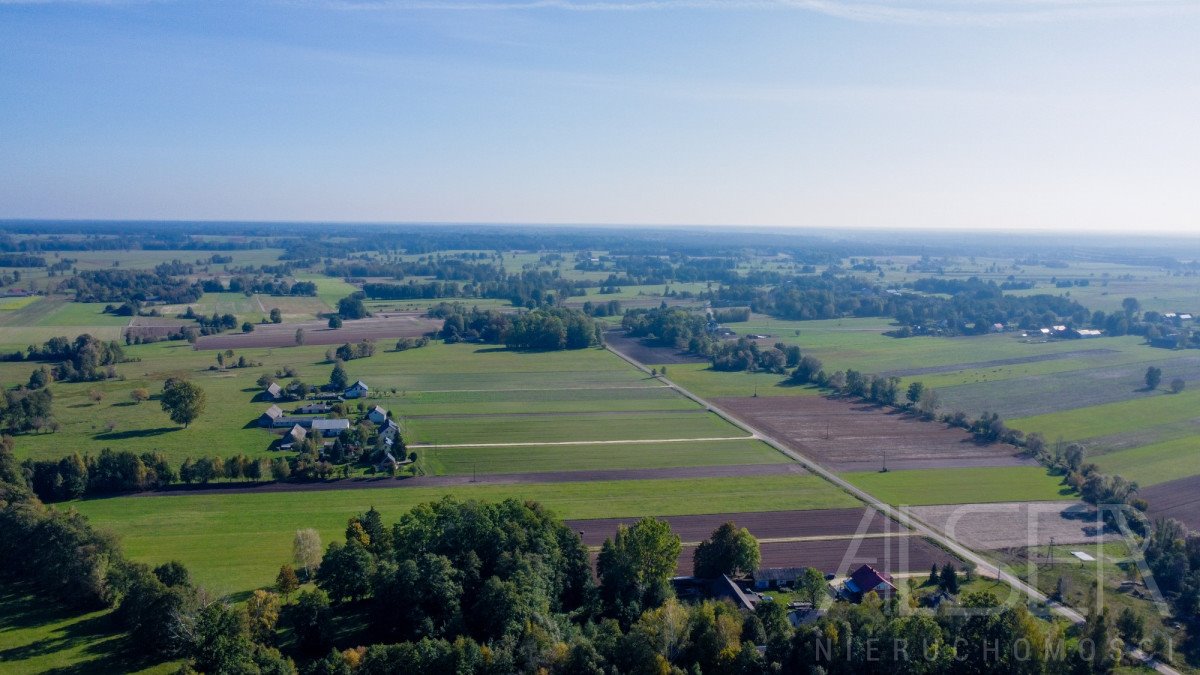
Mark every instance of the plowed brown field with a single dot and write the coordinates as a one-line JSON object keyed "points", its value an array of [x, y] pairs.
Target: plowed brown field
{"points": [[854, 436]]}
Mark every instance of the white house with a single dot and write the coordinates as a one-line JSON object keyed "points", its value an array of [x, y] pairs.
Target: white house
{"points": [[378, 415], [357, 390]]}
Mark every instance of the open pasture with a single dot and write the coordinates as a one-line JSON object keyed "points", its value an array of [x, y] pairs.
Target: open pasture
{"points": [[855, 436], [597, 457], [1144, 415], [583, 399], [1155, 463], [963, 485], [235, 543], [565, 427], [1089, 385]]}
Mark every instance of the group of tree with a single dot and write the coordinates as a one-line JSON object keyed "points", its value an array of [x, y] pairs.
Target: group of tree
{"points": [[166, 284], [27, 409], [352, 307], [1154, 377], [746, 354], [406, 343], [548, 328], [356, 350], [670, 327], [84, 359], [112, 472]]}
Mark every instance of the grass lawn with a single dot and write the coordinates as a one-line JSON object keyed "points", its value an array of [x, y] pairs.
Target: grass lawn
{"points": [[614, 399], [235, 543], [1155, 463], [705, 382], [464, 461], [569, 427], [1113, 418], [82, 315], [919, 487], [15, 303], [40, 637]]}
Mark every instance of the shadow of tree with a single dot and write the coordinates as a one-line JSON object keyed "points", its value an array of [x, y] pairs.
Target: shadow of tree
{"points": [[135, 433]]}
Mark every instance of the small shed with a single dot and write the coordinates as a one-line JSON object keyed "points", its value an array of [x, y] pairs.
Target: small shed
{"points": [[273, 392]]}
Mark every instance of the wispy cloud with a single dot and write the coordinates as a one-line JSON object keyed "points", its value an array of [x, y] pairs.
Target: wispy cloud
{"points": [[937, 12]]}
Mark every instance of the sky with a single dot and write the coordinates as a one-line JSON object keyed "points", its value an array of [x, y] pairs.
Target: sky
{"points": [[1073, 115]]}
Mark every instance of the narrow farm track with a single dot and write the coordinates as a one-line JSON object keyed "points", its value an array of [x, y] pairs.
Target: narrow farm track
{"points": [[985, 566], [546, 443]]}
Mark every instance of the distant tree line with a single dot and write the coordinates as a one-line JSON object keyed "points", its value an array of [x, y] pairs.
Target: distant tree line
{"points": [[118, 285], [21, 260], [543, 328]]}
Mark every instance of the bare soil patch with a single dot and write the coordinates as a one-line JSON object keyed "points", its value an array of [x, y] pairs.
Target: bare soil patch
{"points": [[641, 352], [1178, 499], [380, 327], [1017, 524], [1016, 360], [855, 436], [763, 525]]}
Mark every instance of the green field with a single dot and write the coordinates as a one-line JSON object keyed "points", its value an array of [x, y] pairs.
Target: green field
{"points": [[601, 398], [235, 543], [466, 461], [921, 487], [569, 427], [703, 381], [1114, 418], [1154, 463]]}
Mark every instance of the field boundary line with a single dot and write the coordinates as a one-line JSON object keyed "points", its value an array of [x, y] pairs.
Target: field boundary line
{"points": [[640, 441], [485, 391]]}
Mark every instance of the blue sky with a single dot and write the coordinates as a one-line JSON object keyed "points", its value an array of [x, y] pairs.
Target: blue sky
{"points": [[1031, 114]]}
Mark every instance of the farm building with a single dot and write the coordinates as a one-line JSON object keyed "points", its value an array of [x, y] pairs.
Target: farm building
{"points": [[314, 409], [273, 392], [294, 435], [387, 464], [270, 417], [378, 415], [774, 577], [330, 427], [864, 580], [721, 588], [357, 390]]}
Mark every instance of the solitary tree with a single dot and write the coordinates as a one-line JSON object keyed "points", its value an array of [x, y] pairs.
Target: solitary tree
{"points": [[299, 336], [914, 392], [729, 550], [276, 316], [183, 401], [286, 582], [811, 586], [949, 580], [335, 322], [140, 394], [338, 378], [247, 327], [1153, 377], [1177, 385], [306, 550]]}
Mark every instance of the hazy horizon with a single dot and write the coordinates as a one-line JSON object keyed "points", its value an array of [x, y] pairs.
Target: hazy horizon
{"points": [[931, 115]]}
